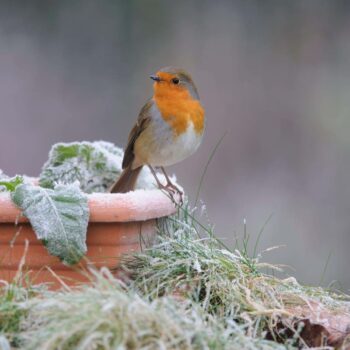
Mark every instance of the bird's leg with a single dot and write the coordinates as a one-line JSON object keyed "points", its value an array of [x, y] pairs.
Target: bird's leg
{"points": [[171, 185], [170, 190], [160, 185]]}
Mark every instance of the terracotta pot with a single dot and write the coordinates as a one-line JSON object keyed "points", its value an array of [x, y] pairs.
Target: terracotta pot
{"points": [[119, 224]]}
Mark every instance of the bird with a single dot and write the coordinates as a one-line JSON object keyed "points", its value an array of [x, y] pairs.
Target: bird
{"points": [[169, 129]]}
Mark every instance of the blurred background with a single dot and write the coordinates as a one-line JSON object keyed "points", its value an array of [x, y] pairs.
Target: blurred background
{"points": [[274, 75]]}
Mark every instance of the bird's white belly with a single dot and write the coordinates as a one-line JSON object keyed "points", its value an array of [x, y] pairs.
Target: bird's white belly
{"points": [[159, 146], [178, 149]]}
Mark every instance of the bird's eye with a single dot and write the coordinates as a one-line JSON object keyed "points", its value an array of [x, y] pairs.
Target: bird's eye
{"points": [[176, 81]]}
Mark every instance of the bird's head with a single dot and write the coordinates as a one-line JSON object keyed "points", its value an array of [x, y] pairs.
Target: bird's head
{"points": [[176, 81]]}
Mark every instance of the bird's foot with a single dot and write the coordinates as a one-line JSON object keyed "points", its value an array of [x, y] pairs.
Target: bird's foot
{"points": [[175, 194], [173, 190]]}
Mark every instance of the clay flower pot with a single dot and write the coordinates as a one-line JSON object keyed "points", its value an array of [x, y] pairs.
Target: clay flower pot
{"points": [[118, 224]]}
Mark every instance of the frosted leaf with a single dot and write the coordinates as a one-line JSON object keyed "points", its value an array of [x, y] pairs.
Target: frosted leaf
{"points": [[59, 217], [95, 165], [9, 184]]}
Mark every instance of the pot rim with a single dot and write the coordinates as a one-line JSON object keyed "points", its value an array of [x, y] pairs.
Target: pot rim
{"points": [[138, 205]]}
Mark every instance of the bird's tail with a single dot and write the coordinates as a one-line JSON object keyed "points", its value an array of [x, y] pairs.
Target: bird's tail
{"points": [[126, 181]]}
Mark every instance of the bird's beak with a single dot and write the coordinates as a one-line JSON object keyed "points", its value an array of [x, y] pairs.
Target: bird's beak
{"points": [[155, 78]]}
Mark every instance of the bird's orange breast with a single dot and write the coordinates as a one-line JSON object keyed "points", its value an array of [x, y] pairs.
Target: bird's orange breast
{"points": [[178, 108]]}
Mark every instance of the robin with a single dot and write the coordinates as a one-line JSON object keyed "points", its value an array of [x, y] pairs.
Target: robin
{"points": [[169, 129]]}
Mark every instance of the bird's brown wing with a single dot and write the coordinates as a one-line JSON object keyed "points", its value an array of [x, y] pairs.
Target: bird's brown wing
{"points": [[141, 124]]}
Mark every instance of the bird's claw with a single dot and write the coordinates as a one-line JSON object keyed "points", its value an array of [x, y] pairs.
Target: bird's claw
{"points": [[173, 190]]}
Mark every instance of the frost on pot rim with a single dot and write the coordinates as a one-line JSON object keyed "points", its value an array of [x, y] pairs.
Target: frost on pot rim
{"points": [[118, 224]]}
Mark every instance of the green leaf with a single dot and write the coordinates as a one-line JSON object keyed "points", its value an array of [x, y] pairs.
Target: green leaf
{"points": [[59, 217], [94, 165], [11, 184]]}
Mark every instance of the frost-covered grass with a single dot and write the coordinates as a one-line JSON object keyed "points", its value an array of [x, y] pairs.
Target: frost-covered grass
{"points": [[186, 292], [190, 262], [109, 315]]}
